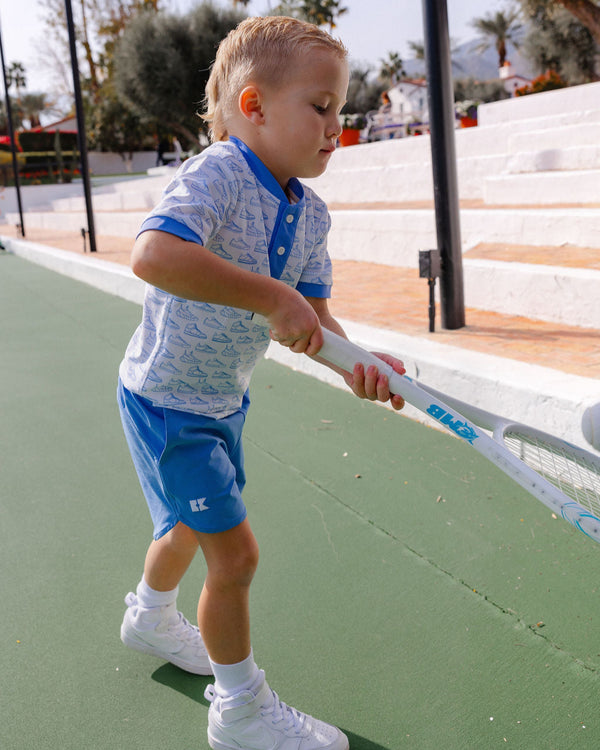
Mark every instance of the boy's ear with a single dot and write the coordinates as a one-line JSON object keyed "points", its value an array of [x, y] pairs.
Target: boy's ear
{"points": [[250, 104]]}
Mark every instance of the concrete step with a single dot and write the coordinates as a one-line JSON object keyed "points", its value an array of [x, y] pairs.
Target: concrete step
{"points": [[136, 194], [571, 158], [567, 254], [548, 107], [582, 134], [401, 169], [557, 284], [551, 293], [120, 224], [506, 284], [403, 180], [575, 186], [392, 236], [134, 200]]}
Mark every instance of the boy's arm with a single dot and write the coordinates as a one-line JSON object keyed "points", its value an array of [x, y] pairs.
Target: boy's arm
{"points": [[370, 384], [190, 271]]}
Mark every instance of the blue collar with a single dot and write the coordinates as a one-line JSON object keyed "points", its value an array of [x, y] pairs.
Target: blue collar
{"points": [[265, 176]]}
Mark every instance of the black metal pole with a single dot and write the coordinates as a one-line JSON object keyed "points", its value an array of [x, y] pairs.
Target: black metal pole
{"points": [[81, 141], [13, 144], [443, 156]]}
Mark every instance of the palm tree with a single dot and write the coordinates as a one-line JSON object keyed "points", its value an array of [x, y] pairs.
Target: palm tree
{"points": [[319, 12], [418, 50], [15, 76], [392, 68], [499, 29]]}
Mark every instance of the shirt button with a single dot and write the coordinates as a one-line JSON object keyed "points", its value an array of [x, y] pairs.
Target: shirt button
{"points": [[280, 250], [289, 218]]}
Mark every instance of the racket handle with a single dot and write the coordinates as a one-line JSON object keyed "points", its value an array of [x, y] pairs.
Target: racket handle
{"points": [[343, 353]]}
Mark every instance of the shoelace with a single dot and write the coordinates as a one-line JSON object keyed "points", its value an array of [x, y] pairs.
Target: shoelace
{"points": [[185, 631], [181, 628], [281, 712]]}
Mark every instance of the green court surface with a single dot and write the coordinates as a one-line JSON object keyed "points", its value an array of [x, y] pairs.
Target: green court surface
{"points": [[407, 591]]}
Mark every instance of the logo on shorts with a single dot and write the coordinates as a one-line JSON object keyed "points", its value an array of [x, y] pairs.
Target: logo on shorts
{"points": [[198, 505]]}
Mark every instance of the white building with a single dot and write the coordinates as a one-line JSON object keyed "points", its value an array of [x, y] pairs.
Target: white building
{"points": [[406, 112], [511, 81]]}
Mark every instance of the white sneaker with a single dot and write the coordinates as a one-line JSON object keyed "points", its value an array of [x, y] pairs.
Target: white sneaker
{"points": [[257, 720], [164, 632]]}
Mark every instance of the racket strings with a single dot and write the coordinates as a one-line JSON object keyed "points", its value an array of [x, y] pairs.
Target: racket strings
{"points": [[574, 475]]}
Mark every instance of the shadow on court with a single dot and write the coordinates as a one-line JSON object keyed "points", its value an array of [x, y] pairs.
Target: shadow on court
{"points": [[407, 591]]}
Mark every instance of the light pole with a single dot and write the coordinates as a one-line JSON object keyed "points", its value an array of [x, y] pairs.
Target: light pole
{"points": [[443, 157], [85, 172], [13, 145]]}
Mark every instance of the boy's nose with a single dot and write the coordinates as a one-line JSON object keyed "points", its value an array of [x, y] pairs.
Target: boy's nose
{"points": [[335, 129]]}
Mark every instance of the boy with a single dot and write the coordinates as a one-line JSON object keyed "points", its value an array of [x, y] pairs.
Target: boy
{"points": [[234, 234]]}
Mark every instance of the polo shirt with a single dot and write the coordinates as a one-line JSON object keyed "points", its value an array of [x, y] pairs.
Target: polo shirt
{"points": [[199, 357]]}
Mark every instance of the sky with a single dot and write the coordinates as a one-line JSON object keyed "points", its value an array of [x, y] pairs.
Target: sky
{"points": [[370, 29]]}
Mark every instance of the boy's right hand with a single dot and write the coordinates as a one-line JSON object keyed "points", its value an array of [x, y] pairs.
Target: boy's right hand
{"points": [[295, 324]]}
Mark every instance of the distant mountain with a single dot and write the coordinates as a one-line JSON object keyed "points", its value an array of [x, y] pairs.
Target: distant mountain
{"points": [[469, 62]]}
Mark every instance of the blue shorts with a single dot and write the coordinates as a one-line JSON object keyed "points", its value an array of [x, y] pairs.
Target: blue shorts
{"points": [[191, 467]]}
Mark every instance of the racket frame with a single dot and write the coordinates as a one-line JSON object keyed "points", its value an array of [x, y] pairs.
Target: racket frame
{"points": [[468, 423]]}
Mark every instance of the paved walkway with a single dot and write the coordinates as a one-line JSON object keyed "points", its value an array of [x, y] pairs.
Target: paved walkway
{"points": [[397, 299], [407, 591]]}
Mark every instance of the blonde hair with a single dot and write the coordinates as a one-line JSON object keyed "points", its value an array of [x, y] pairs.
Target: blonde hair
{"points": [[261, 50]]}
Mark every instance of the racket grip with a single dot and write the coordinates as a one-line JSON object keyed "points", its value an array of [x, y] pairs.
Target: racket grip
{"points": [[343, 353]]}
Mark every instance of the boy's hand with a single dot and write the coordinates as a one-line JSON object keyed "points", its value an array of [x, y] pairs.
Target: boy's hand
{"points": [[296, 325], [375, 386]]}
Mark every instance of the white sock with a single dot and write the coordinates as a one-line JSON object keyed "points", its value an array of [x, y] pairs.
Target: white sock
{"points": [[231, 679], [148, 597]]}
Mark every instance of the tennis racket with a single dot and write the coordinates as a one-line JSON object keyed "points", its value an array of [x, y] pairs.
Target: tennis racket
{"points": [[562, 476]]}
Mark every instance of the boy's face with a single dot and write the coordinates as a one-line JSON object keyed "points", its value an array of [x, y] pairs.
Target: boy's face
{"points": [[301, 117]]}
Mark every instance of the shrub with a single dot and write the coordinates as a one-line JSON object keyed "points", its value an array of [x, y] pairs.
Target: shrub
{"points": [[548, 81]]}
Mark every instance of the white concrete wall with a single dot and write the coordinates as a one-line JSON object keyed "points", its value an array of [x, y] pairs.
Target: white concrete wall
{"points": [[34, 196], [559, 102], [108, 163]]}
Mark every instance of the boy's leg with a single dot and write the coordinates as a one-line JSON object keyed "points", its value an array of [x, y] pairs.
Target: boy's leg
{"points": [[243, 708], [169, 557], [223, 610], [152, 623]]}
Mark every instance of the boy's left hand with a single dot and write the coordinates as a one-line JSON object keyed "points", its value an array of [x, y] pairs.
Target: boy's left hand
{"points": [[374, 385]]}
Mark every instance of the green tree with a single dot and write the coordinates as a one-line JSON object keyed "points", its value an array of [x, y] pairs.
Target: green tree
{"points": [[468, 89], [115, 127], [498, 29], [162, 63], [17, 116], [364, 94], [587, 12], [556, 41], [31, 107], [98, 26]]}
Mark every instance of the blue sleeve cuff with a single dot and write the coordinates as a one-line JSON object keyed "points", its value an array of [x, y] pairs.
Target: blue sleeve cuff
{"points": [[166, 224], [314, 290]]}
